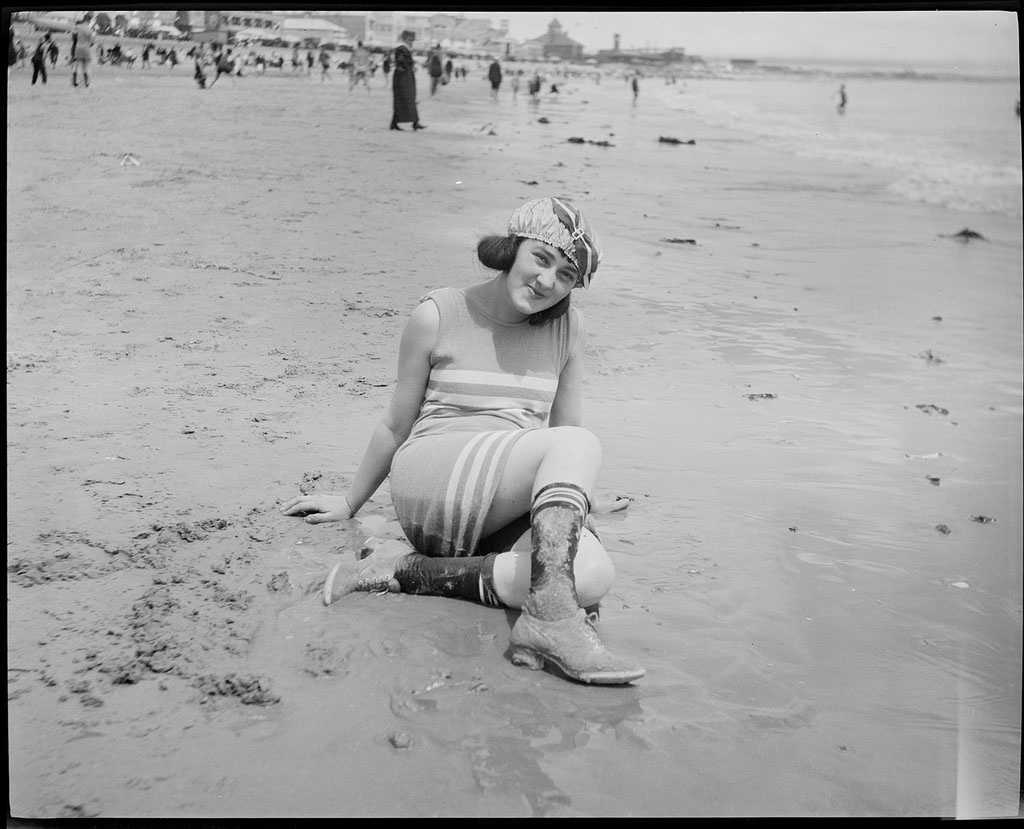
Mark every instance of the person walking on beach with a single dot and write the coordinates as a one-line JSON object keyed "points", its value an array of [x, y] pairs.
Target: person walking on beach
{"points": [[491, 469], [53, 52], [403, 85], [842, 99], [81, 51], [225, 65], [494, 76], [145, 55], [360, 71], [435, 68], [325, 63], [199, 55], [635, 83], [39, 59], [534, 87], [448, 69]]}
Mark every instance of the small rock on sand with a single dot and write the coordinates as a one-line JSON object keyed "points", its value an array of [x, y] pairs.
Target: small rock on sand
{"points": [[400, 739]]}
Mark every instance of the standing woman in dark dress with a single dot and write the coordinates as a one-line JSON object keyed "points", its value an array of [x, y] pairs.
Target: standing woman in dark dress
{"points": [[403, 84]]}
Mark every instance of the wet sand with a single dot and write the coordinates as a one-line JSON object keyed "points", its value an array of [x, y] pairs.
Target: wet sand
{"points": [[193, 339]]}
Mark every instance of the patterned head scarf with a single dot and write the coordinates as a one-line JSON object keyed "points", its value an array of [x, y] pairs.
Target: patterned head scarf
{"points": [[556, 221]]}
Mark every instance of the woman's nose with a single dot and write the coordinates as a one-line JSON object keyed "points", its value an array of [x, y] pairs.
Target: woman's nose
{"points": [[546, 277]]}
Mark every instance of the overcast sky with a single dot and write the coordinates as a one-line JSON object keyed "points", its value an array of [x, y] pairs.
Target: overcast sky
{"points": [[944, 37]]}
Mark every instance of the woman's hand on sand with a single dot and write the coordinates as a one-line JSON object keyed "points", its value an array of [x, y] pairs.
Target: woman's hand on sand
{"points": [[319, 509]]}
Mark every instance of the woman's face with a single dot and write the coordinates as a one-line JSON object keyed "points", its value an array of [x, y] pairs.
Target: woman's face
{"points": [[540, 277]]}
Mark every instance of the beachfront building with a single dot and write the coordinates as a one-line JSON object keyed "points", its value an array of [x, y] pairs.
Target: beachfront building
{"points": [[531, 50], [383, 28], [556, 43], [641, 57], [315, 29], [476, 36], [234, 22], [455, 32], [352, 22]]}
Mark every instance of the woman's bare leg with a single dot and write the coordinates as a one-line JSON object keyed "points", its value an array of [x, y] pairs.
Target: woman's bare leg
{"points": [[552, 473], [569, 454]]}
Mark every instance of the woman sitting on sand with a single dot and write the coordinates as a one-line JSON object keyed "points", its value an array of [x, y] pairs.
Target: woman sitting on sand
{"points": [[484, 446]]}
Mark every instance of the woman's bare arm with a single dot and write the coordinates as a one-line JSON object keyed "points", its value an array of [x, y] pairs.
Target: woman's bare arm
{"points": [[390, 432]]}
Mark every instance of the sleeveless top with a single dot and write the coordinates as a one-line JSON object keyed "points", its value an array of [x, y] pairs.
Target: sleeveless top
{"points": [[490, 375]]}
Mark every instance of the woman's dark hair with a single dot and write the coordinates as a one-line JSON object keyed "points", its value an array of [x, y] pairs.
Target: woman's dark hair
{"points": [[499, 254]]}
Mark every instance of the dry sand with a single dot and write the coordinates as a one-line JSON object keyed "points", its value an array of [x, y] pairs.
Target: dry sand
{"points": [[193, 339]]}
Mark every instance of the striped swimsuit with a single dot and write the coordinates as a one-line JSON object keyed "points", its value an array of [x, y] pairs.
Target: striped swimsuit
{"points": [[489, 383]]}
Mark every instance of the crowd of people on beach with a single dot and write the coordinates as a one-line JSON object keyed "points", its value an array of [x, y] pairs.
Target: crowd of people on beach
{"points": [[211, 60]]}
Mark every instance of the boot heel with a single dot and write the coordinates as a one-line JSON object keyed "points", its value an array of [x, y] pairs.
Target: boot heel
{"points": [[526, 658]]}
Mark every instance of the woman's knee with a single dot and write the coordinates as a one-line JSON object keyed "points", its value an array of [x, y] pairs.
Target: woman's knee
{"points": [[560, 453], [593, 571]]}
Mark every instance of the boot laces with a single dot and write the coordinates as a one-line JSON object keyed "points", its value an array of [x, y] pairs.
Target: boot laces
{"points": [[370, 584], [590, 629], [377, 573], [374, 582]]}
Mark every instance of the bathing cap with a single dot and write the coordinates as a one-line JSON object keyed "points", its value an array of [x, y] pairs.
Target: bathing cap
{"points": [[556, 221]]}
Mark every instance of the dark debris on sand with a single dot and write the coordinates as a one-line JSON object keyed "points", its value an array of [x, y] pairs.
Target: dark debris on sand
{"points": [[577, 140], [247, 688], [964, 236]]}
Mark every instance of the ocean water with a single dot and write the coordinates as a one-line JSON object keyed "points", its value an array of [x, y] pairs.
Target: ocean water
{"points": [[936, 138]]}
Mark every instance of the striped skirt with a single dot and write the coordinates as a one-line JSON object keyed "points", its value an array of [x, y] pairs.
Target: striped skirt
{"points": [[442, 487]]}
